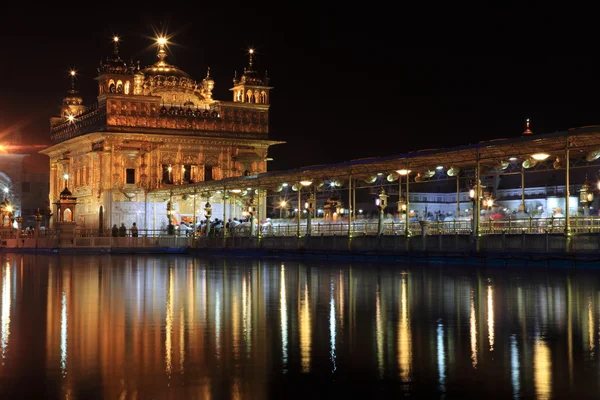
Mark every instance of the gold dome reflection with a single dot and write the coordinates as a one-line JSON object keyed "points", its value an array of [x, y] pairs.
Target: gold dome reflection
{"points": [[542, 369], [332, 326], [169, 325], [404, 334]]}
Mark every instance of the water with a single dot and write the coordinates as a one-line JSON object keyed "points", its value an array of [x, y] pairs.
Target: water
{"points": [[158, 327]]}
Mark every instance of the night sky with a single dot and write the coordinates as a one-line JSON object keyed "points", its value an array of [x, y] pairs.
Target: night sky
{"points": [[349, 82]]}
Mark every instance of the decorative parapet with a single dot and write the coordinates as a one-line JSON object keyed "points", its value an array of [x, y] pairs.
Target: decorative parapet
{"points": [[122, 113]]}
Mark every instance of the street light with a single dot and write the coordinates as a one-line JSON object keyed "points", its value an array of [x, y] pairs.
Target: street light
{"points": [[282, 206], [586, 196], [381, 203]]}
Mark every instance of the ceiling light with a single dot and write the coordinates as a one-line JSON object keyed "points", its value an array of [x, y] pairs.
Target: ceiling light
{"points": [[403, 171], [540, 156]]}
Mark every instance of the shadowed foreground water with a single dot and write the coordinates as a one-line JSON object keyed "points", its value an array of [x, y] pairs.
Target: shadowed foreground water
{"points": [[175, 327]]}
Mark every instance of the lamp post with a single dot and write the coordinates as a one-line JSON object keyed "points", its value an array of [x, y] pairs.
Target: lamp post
{"points": [[170, 227], [309, 206], [475, 195], [586, 196], [38, 221], [208, 215], [282, 205], [251, 212], [381, 203]]}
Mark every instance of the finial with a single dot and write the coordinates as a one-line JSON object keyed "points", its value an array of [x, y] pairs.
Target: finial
{"points": [[72, 73], [116, 46], [208, 73], [250, 53], [162, 42], [527, 130], [138, 65], [235, 76]]}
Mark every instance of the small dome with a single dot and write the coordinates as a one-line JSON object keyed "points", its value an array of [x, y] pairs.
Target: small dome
{"points": [[65, 193]]}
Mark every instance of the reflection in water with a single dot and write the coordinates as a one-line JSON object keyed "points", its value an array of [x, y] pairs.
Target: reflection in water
{"points": [[514, 367], [380, 331], [144, 327], [304, 325], [169, 325], [332, 325], [590, 320], [441, 357], [473, 331], [404, 334], [490, 315], [6, 289], [542, 369], [64, 325], [284, 319]]}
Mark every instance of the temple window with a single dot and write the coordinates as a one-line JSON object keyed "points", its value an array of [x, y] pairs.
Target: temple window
{"points": [[187, 173], [167, 174], [119, 87], [208, 173], [130, 176]]}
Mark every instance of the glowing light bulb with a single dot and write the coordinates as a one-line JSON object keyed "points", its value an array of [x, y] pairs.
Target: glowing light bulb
{"points": [[251, 51], [71, 118], [116, 39], [161, 41], [72, 72]]}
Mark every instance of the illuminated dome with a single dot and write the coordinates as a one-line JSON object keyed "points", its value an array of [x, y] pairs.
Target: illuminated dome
{"points": [[65, 193], [174, 85]]}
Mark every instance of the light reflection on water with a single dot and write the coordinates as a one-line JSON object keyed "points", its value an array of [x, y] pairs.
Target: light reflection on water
{"points": [[178, 327]]}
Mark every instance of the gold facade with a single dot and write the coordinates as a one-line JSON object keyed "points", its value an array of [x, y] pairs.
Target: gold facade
{"points": [[154, 128]]}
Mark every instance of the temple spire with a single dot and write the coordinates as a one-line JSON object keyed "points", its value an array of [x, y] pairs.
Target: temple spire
{"points": [[72, 73], [116, 47], [162, 54], [251, 61], [527, 130]]}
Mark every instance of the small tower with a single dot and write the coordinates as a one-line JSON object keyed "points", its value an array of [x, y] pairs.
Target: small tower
{"points": [[251, 88], [114, 76], [65, 217], [72, 104], [527, 130], [207, 86]]}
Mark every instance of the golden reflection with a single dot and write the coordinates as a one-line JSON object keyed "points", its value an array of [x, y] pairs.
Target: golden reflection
{"points": [[181, 339], [284, 317], [473, 331], [490, 315], [380, 331], [247, 312], [6, 304], [332, 325], [64, 325], [217, 324], [542, 369], [235, 325], [404, 334], [591, 337], [169, 325], [305, 327]]}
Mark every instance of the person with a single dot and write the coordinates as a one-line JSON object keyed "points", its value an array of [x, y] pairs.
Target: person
{"points": [[122, 230], [134, 230], [115, 231]]}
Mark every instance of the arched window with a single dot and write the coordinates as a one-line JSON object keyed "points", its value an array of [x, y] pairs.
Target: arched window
{"points": [[249, 96], [112, 88], [127, 86], [68, 215], [263, 97], [119, 87]]}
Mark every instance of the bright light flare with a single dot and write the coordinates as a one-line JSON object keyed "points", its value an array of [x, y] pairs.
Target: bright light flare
{"points": [[403, 171], [540, 156], [71, 118], [116, 39], [66, 176], [162, 41], [72, 72]]}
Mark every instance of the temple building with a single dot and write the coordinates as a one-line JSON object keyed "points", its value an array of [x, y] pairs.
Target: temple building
{"points": [[150, 128]]}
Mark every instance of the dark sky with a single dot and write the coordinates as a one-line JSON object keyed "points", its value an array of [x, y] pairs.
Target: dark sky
{"points": [[367, 80]]}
